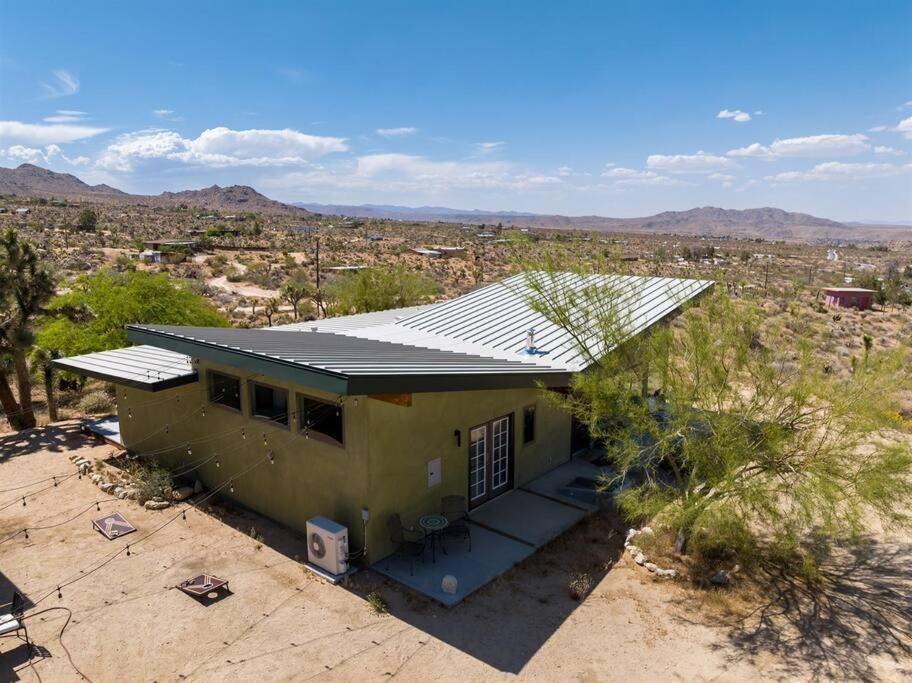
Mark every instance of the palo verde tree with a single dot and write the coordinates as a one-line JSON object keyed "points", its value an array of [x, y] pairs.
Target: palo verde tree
{"points": [[749, 442], [378, 289], [25, 286], [92, 316]]}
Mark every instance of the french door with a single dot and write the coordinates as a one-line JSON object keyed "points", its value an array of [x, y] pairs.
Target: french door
{"points": [[490, 459]]}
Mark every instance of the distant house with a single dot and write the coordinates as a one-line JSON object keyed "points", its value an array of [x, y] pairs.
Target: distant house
{"points": [[360, 417], [23, 210], [165, 245], [421, 251], [150, 256], [849, 297], [449, 252]]}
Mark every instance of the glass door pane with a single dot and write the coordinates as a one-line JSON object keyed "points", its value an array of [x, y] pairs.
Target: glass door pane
{"points": [[478, 457], [500, 453]]}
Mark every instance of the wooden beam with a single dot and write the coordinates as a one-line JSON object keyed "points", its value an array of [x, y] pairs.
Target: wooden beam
{"points": [[404, 400]]}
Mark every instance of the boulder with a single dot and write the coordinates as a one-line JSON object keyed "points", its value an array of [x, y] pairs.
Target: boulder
{"points": [[640, 559], [666, 573], [650, 566], [122, 494], [633, 550], [96, 478], [182, 493], [157, 504], [646, 530], [720, 578], [107, 486]]}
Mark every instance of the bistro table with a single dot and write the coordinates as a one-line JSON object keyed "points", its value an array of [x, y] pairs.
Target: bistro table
{"points": [[433, 526]]}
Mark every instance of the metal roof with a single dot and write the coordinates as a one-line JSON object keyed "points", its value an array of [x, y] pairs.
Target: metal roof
{"points": [[146, 367], [344, 364], [357, 321], [493, 321]]}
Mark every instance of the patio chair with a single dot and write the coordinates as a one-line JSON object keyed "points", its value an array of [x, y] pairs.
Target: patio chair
{"points": [[402, 546], [455, 510], [13, 624]]}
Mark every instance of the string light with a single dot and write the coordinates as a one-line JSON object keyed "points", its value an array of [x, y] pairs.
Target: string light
{"points": [[25, 531], [243, 432], [189, 450], [128, 550], [59, 593], [264, 439], [271, 458], [23, 501], [97, 506], [217, 463], [55, 480], [231, 486]]}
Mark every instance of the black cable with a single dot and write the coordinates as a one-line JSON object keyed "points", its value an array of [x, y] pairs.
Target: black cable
{"points": [[59, 637]]}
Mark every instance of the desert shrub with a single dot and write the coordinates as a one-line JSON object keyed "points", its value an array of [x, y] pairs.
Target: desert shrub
{"points": [[151, 482], [377, 603], [96, 402], [579, 585]]}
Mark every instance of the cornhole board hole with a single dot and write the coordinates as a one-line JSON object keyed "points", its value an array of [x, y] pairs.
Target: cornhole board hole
{"points": [[204, 586], [113, 526]]}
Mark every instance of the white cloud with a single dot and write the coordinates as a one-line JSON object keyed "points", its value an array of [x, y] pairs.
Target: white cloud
{"points": [[892, 151], [220, 148], [838, 170], [487, 147], [904, 127], [46, 156], [632, 176], [39, 134], [396, 132], [905, 105], [64, 84], [162, 113], [810, 146], [564, 171], [701, 162], [736, 114], [877, 129], [65, 116]]}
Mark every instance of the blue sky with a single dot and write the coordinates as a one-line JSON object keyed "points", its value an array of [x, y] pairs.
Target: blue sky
{"points": [[612, 108]]}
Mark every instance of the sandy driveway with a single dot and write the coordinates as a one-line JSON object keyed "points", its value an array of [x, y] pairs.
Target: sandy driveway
{"points": [[239, 289], [281, 623]]}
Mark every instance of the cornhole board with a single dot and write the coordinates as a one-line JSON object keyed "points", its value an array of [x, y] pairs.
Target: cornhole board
{"points": [[204, 584], [113, 526]]}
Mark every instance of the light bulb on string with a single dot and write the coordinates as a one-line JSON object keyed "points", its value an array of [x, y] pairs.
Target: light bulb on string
{"points": [[189, 450], [59, 593], [231, 487], [128, 550], [243, 432], [130, 413], [271, 458], [23, 502], [166, 429], [25, 531], [55, 480], [217, 463], [97, 506], [264, 439]]}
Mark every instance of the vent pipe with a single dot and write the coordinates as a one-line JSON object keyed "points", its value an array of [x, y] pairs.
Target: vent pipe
{"points": [[530, 341]]}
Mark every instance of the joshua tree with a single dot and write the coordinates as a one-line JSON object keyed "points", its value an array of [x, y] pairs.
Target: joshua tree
{"points": [[25, 286]]}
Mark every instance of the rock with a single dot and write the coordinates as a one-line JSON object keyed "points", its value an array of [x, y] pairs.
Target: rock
{"points": [[96, 478], [666, 573], [84, 469], [630, 534], [74, 457], [122, 495], [640, 559], [157, 504], [107, 486], [650, 566], [157, 499], [646, 530], [633, 550], [182, 493], [118, 490], [166, 493], [130, 494], [197, 486], [720, 578]]}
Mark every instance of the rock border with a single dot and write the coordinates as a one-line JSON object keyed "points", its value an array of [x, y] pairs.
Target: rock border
{"points": [[640, 558]]}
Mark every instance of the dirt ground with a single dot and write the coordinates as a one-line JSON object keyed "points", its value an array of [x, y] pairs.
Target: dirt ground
{"points": [[127, 622]]}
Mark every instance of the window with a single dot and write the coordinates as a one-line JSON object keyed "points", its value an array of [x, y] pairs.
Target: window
{"points": [[225, 390], [320, 419], [528, 424], [269, 403]]}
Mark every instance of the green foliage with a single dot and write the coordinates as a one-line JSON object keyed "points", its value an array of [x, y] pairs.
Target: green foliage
{"points": [[92, 316], [379, 289], [377, 603], [88, 220], [749, 435]]}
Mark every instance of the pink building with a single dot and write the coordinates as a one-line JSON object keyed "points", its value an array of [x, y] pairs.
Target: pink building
{"points": [[849, 297]]}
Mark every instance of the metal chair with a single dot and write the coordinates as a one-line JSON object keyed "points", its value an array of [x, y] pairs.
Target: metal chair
{"points": [[402, 546], [455, 510], [13, 624]]}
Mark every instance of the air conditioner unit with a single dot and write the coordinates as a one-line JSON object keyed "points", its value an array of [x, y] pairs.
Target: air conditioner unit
{"points": [[327, 545]]}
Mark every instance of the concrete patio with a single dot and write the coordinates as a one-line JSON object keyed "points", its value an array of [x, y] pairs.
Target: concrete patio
{"points": [[505, 531]]}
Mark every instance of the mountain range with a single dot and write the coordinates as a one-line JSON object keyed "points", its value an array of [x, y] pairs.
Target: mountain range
{"points": [[29, 180]]}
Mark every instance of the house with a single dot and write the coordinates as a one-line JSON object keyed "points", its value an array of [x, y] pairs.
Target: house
{"points": [[362, 416], [150, 256], [430, 253], [849, 297]]}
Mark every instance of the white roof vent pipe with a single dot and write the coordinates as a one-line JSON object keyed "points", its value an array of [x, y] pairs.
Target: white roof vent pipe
{"points": [[530, 341]]}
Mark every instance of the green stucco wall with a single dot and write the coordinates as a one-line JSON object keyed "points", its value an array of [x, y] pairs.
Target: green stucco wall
{"points": [[383, 464]]}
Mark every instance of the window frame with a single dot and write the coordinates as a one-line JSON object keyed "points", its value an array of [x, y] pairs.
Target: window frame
{"points": [[534, 408], [251, 394], [313, 434], [209, 374]]}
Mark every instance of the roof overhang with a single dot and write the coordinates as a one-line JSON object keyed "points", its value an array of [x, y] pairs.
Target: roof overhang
{"points": [[149, 368]]}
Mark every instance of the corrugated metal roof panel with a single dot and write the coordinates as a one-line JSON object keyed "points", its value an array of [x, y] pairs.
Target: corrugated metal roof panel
{"points": [[357, 321], [146, 367]]}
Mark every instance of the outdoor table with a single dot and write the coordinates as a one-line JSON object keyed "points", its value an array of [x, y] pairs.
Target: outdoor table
{"points": [[203, 585], [433, 526]]}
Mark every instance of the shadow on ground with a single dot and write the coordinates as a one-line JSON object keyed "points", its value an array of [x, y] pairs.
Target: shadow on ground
{"points": [[512, 617], [57, 438], [861, 609]]}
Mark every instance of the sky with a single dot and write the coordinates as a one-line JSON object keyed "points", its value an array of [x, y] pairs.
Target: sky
{"points": [[621, 108]]}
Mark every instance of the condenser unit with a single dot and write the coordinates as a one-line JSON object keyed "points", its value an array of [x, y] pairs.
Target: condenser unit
{"points": [[327, 545]]}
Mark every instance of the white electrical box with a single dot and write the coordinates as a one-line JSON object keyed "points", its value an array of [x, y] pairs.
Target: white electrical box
{"points": [[433, 472], [327, 545]]}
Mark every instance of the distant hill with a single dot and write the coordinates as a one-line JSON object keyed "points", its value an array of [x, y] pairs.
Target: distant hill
{"points": [[767, 222], [28, 180], [232, 198]]}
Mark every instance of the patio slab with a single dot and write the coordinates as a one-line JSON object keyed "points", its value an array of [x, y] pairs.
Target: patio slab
{"points": [[492, 554], [573, 483], [528, 517], [108, 428]]}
